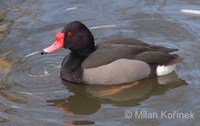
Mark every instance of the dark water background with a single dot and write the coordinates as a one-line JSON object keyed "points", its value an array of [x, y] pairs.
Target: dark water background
{"points": [[32, 94]]}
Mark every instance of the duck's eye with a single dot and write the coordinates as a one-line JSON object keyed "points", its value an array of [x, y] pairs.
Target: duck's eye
{"points": [[69, 34]]}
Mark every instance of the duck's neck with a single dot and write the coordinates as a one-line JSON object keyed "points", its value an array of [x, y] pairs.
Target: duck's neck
{"points": [[71, 66], [84, 52]]}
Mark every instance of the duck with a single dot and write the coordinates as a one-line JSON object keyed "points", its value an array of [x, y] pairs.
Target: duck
{"points": [[121, 61]]}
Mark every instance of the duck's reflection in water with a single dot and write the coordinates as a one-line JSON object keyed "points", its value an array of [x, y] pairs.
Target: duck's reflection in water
{"points": [[87, 99]]}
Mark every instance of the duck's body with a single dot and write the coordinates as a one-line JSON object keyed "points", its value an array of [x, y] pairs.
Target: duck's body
{"points": [[111, 62]]}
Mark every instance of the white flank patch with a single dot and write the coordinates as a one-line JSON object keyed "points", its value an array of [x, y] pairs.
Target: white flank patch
{"points": [[164, 70], [190, 11]]}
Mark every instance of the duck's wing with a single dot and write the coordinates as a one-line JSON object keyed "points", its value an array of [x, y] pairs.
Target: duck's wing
{"points": [[109, 53], [158, 58], [124, 41], [135, 42]]}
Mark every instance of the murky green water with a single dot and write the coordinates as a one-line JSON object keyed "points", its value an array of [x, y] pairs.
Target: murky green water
{"points": [[31, 92]]}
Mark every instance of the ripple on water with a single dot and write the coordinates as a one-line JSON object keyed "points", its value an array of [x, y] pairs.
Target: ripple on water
{"points": [[33, 74]]}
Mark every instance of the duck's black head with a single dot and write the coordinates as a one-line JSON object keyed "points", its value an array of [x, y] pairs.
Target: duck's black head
{"points": [[76, 37]]}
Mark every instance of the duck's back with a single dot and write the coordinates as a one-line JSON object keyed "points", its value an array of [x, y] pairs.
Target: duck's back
{"points": [[134, 49]]}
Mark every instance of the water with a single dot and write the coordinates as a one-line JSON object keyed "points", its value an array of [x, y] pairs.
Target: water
{"points": [[31, 92]]}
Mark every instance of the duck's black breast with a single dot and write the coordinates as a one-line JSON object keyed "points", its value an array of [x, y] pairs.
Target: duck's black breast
{"points": [[71, 69]]}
